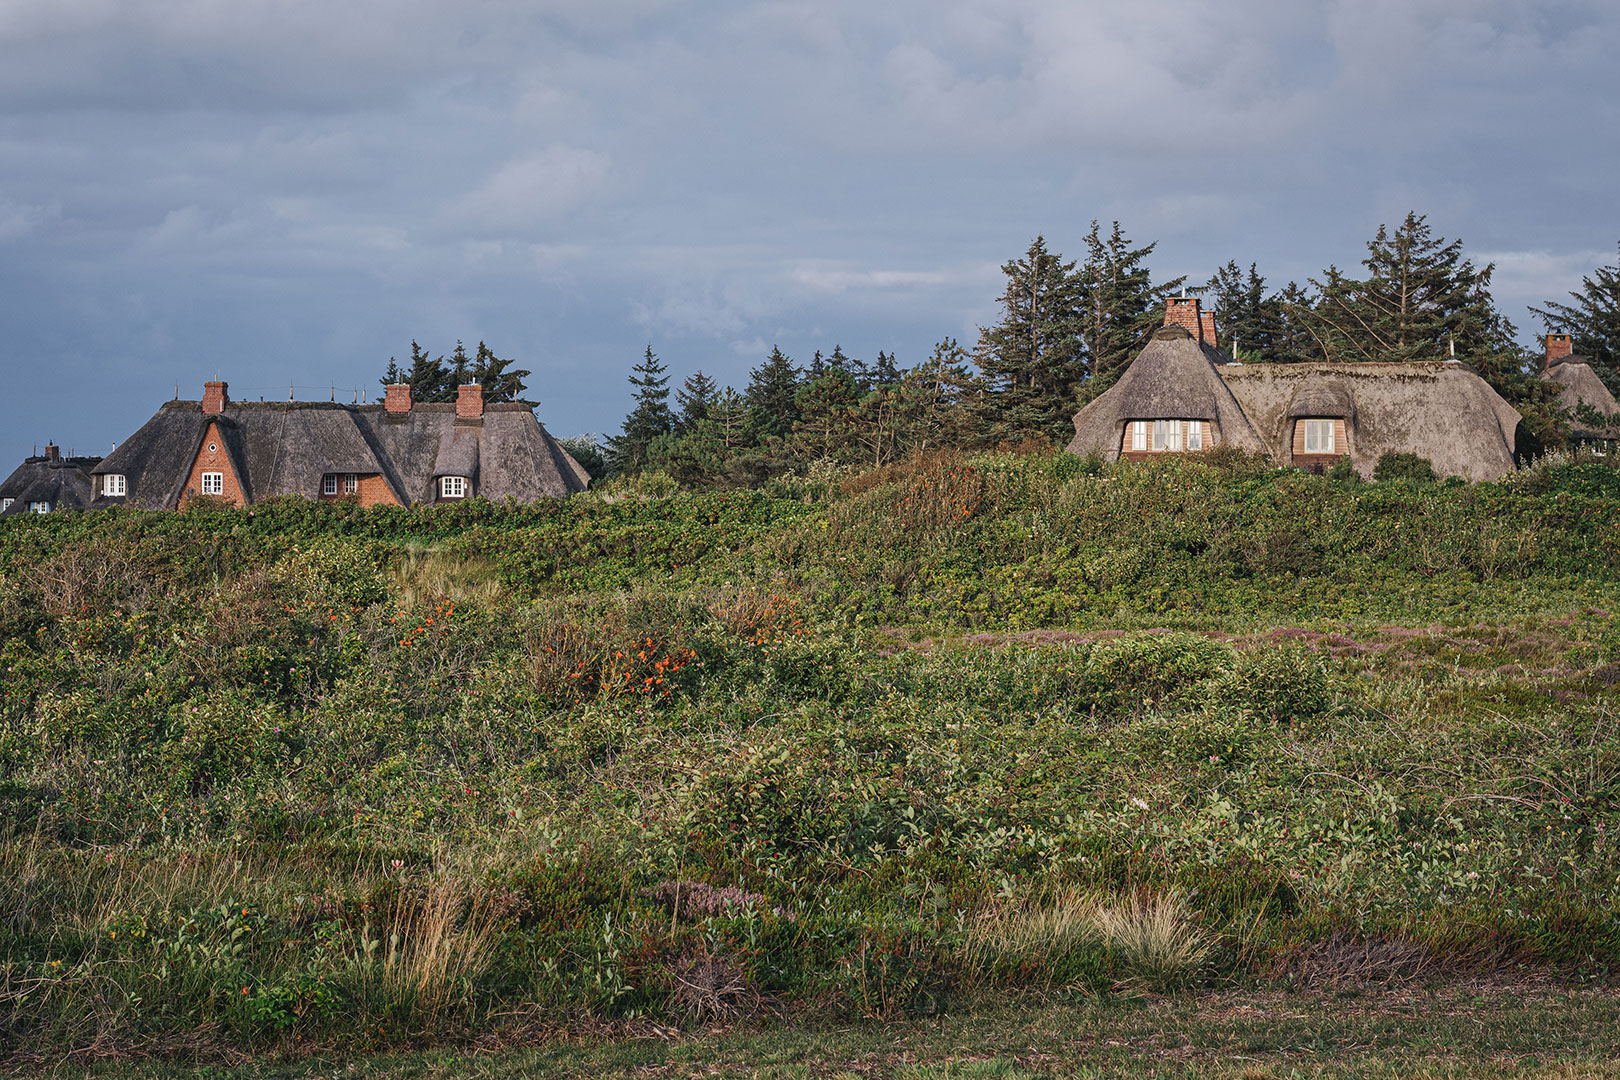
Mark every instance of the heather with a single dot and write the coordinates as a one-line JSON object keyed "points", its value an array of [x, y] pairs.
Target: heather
{"points": [[853, 745]]}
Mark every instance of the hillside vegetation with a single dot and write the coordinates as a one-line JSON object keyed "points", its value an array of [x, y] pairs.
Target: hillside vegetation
{"points": [[850, 746]]}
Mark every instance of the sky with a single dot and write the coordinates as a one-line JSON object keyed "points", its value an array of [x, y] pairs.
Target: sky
{"points": [[286, 194]]}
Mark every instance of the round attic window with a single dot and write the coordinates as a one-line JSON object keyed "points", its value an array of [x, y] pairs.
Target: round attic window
{"points": [[213, 448]]}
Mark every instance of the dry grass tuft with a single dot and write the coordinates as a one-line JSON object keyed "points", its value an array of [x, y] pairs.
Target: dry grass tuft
{"points": [[712, 988], [430, 575], [1341, 960], [1155, 940]]}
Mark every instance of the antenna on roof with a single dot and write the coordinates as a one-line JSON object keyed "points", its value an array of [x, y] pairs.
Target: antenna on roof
{"points": [[1451, 342], [362, 396], [334, 393], [356, 400], [177, 391], [289, 391]]}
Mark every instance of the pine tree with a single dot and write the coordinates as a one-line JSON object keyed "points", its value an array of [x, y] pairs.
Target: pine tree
{"points": [[772, 389], [1421, 300], [1033, 359], [885, 372], [1119, 305], [1250, 321], [693, 400], [825, 407], [428, 378], [1295, 340], [1592, 321], [499, 383], [460, 371], [649, 419]]}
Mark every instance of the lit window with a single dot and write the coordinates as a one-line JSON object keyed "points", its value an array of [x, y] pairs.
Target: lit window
{"points": [[1319, 437], [39, 508], [213, 483], [329, 484], [1195, 434], [113, 484], [351, 484], [1139, 430], [452, 487]]}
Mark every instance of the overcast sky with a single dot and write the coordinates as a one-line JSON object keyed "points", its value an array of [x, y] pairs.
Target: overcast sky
{"points": [[288, 192]]}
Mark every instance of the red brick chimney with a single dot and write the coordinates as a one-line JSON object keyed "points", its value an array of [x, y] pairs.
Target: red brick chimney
{"points": [[53, 452], [214, 398], [469, 402], [1206, 322], [398, 401], [1183, 311], [1558, 348]]}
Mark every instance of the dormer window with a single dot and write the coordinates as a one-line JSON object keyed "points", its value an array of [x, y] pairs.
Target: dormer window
{"points": [[1319, 436], [39, 507], [5, 504], [329, 484], [351, 484], [113, 485], [347, 483], [213, 483], [1164, 436], [452, 487]]}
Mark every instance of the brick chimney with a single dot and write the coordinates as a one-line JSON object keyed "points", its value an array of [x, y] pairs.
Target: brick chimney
{"points": [[1558, 348], [53, 452], [1183, 311], [1206, 321], [469, 402], [214, 398], [398, 401]]}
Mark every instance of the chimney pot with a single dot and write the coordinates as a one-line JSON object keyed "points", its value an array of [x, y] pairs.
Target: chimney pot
{"points": [[53, 452], [214, 398], [398, 400], [1558, 348], [1206, 322], [470, 402]]}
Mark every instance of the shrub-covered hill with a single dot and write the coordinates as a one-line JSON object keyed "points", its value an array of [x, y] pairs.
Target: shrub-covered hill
{"points": [[322, 776]]}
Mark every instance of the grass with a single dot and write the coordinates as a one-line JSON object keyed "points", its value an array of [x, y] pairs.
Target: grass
{"points": [[956, 741], [1459, 1032]]}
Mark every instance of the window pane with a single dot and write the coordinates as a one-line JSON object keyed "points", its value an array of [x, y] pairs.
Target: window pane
{"points": [[1138, 434], [329, 485], [1173, 427], [1195, 435], [351, 484], [1158, 434]]}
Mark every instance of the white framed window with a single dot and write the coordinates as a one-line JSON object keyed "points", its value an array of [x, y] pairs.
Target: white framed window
{"points": [[1319, 436], [5, 504], [213, 483], [351, 484], [452, 487], [113, 484], [329, 484], [1195, 434], [1139, 434], [39, 508]]}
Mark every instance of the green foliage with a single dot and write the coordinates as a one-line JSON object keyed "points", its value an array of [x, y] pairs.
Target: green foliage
{"points": [[1399, 465]]}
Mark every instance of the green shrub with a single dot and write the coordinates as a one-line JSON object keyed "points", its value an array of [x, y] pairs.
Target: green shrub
{"points": [[1400, 465]]}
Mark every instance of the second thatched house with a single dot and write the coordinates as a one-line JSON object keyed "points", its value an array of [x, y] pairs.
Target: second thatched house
{"points": [[1583, 393], [399, 452], [1181, 393], [48, 482]]}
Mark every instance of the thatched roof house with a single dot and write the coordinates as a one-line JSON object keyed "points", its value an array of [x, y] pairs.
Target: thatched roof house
{"points": [[398, 452], [1181, 393], [1581, 386], [46, 483]]}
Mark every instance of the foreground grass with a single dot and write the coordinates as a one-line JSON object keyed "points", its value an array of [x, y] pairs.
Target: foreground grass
{"points": [[1457, 1031]]}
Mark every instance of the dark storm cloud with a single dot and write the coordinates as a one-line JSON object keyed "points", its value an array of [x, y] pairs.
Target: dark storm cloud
{"points": [[289, 192]]}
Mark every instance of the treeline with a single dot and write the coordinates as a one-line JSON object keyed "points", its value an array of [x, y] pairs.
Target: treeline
{"points": [[1067, 330]]}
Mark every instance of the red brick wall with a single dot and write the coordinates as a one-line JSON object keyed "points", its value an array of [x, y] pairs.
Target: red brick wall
{"points": [[1207, 323], [469, 402], [399, 398], [215, 460], [370, 490], [214, 398]]}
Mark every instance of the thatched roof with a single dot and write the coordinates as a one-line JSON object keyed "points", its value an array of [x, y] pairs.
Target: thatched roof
{"points": [[1581, 386], [63, 482], [1438, 410], [286, 448], [1174, 377]]}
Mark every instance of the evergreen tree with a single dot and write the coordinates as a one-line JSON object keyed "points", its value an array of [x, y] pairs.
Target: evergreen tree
{"points": [[1249, 319], [500, 383], [1421, 300], [1119, 307], [427, 377], [772, 391], [885, 372], [825, 407], [1033, 359], [1592, 321], [693, 400], [649, 419], [1295, 339], [460, 371]]}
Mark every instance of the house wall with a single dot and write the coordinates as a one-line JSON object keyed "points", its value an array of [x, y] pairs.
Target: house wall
{"points": [[1317, 462], [372, 491], [216, 460], [1127, 454]]}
